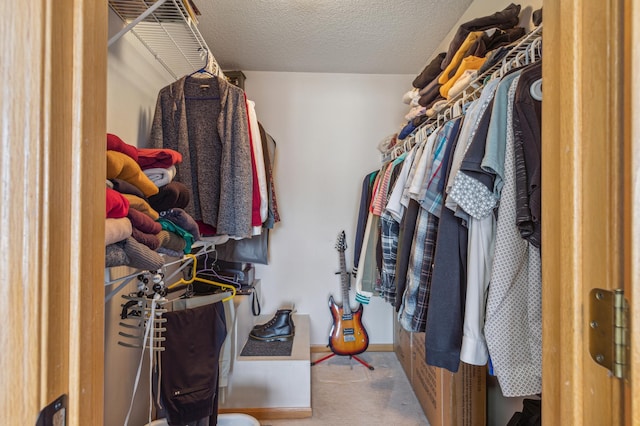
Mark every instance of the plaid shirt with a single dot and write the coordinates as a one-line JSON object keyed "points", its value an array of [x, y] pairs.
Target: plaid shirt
{"points": [[390, 230], [412, 314], [433, 194], [419, 320]]}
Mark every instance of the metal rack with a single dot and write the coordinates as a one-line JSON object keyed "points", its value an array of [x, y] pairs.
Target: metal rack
{"points": [[167, 30], [525, 51]]}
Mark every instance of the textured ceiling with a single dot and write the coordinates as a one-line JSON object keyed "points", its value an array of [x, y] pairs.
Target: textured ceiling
{"points": [[333, 36]]}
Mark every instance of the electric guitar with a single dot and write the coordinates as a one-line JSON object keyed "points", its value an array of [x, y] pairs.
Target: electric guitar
{"points": [[347, 336]]}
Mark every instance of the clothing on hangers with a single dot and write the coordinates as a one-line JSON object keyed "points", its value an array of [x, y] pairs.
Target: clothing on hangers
{"points": [[453, 268], [216, 152]]}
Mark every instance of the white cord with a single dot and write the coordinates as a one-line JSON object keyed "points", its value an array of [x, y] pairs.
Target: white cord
{"points": [[152, 320], [147, 330]]}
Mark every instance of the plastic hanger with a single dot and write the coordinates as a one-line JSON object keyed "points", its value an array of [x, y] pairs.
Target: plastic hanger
{"points": [[536, 90], [222, 285], [210, 67], [536, 86], [194, 277]]}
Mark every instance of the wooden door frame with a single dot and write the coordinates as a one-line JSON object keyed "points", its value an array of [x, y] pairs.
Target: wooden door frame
{"points": [[632, 195], [53, 121], [583, 199], [52, 161]]}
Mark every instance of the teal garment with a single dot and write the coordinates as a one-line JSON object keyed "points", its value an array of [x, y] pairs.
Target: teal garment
{"points": [[493, 161], [167, 225]]}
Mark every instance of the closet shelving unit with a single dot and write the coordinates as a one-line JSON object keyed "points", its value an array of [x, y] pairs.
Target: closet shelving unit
{"points": [[167, 30], [527, 50]]}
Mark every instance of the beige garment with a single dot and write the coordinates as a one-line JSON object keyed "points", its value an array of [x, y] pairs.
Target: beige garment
{"points": [[171, 241], [116, 230], [141, 205]]}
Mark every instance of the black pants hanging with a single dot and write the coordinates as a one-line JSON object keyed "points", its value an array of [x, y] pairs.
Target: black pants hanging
{"points": [[189, 382]]}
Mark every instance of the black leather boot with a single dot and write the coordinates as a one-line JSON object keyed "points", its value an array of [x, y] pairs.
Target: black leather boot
{"points": [[278, 328]]}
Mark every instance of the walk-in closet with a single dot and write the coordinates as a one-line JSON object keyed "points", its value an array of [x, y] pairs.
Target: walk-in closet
{"points": [[407, 213]]}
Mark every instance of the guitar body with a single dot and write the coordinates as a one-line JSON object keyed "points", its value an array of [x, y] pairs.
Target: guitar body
{"points": [[348, 336]]}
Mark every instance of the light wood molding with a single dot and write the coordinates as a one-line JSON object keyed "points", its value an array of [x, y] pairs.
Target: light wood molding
{"points": [[632, 197], [582, 198], [271, 413], [21, 155], [88, 172], [52, 230]]}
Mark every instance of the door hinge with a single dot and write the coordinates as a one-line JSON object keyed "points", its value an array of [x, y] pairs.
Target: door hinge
{"points": [[609, 330]]}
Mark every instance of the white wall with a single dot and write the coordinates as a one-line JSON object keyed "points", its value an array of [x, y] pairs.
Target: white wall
{"points": [[326, 127], [134, 78]]}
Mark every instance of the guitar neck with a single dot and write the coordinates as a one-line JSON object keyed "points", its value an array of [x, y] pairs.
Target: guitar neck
{"points": [[346, 306]]}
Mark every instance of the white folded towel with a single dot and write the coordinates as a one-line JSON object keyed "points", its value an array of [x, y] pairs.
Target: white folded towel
{"points": [[160, 176]]}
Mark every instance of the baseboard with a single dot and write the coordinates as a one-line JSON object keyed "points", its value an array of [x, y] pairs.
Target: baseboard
{"points": [[379, 347], [271, 413]]}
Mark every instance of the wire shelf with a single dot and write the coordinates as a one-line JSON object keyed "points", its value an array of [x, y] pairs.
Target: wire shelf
{"points": [[518, 54], [167, 29]]}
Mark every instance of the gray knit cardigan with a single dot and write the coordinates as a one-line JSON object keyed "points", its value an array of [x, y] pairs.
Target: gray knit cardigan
{"points": [[213, 138]]}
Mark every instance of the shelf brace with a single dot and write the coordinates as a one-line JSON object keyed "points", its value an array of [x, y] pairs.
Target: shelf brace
{"points": [[136, 21]]}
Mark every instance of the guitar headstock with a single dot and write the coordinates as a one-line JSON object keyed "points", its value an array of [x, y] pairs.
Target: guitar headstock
{"points": [[341, 242]]}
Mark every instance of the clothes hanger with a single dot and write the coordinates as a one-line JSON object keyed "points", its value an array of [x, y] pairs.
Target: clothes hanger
{"points": [[458, 107], [208, 67], [215, 283], [536, 87], [536, 90], [202, 73], [218, 278], [194, 277]]}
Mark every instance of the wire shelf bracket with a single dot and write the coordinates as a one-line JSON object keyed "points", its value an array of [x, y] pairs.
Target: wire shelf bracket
{"points": [[167, 30]]}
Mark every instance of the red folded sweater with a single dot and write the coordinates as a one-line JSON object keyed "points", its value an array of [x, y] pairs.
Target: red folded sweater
{"points": [[117, 205], [114, 143], [149, 158]]}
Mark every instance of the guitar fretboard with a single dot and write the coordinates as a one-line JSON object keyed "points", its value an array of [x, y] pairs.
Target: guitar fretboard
{"points": [[344, 276]]}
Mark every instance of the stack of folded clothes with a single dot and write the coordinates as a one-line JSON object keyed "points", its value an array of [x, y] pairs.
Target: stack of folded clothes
{"points": [[144, 214], [477, 45]]}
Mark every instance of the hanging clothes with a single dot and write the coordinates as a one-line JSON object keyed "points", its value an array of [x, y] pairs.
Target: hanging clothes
{"points": [[190, 363], [412, 314], [367, 272], [527, 122], [389, 233], [469, 275], [205, 120], [513, 326], [363, 213], [269, 150]]}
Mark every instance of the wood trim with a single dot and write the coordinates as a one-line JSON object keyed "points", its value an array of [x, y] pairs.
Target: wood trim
{"points": [[582, 195], [86, 257], [21, 144], [52, 231], [632, 199], [377, 347], [272, 413]]}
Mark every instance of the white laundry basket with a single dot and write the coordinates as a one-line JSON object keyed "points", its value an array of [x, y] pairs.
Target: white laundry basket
{"points": [[237, 419], [227, 419]]}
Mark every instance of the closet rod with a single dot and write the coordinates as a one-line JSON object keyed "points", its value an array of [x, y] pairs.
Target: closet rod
{"points": [[185, 261]]}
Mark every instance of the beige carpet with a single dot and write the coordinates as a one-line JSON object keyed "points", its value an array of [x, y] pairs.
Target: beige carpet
{"points": [[346, 392]]}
